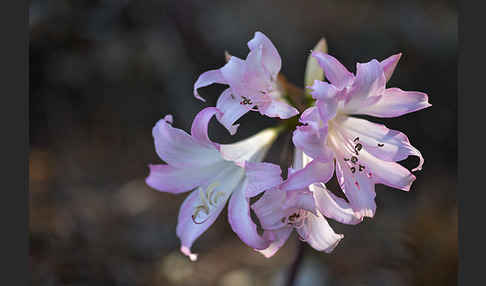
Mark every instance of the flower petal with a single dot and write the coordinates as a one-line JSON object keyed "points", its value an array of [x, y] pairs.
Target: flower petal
{"points": [[381, 142], [179, 149], [231, 110], [277, 108], [334, 71], [233, 73], [311, 138], [251, 149], [388, 173], [199, 129], [240, 219], [270, 56], [187, 230], [389, 65], [208, 78], [316, 171], [359, 189], [261, 177], [395, 102], [317, 232], [278, 238], [327, 99], [367, 87], [271, 208], [256, 77], [332, 206], [166, 178]]}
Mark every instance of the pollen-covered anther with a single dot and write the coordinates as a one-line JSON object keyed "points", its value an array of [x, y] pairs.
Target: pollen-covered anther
{"points": [[296, 219], [246, 101], [354, 159]]}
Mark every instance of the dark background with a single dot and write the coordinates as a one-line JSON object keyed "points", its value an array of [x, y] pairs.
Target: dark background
{"points": [[103, 72]]}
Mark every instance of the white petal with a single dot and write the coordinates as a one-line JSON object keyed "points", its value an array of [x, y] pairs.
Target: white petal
{"points": [[252, 149]]}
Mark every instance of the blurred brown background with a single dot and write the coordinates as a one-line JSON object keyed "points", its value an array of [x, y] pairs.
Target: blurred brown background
{"points": [[103, 72]]}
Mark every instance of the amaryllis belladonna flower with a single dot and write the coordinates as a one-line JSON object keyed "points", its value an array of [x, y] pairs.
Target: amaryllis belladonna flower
{"points": [[252, 84], [216, 172], [363, 153], [296, 205]]}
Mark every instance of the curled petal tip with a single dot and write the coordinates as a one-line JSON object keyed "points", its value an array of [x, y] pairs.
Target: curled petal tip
{"points": [[169, 118], [196, 95], [187, 252]]}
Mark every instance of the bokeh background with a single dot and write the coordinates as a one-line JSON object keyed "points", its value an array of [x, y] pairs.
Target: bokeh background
{"points": [[103, 72]]}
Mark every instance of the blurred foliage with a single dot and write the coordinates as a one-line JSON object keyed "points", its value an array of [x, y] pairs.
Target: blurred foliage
{"points": [[103, 72]]}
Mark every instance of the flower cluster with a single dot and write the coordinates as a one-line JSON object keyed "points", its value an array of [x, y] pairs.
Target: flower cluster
{"points": [[328, 140]]}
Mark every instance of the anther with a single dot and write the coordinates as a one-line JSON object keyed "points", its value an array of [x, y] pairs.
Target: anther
{"points": [[353, 170], [361, 167], [358, 147], [356, 139], [354, 159], [381, 144]]}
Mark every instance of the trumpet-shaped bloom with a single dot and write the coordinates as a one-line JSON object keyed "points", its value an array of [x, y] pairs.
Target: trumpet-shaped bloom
{"points": [[297, 205], [364, 153], [217, 173], [252, 84]]}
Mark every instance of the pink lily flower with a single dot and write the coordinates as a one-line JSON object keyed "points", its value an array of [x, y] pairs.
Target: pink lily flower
{"points": [[252, 84], [364, 153], [217, 173], [296, 205]]}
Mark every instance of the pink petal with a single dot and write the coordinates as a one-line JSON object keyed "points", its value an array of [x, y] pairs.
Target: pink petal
{"points": [[278, 108], [240, 219], [256, 77], [187, 230], [334, 71], [231, 110], [312, 141], [395, 102], [179, 149], [166, 178], [261, 177], [208, 78], [327, 99], [318, 233], [332, 206], [367, 87], [389, 65], [270, 56], [278, 238], [316, 171], [199, 129], [323, 90], [271, 208], [388, 173], [359, 190], [233, 73], [381, 142]]}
